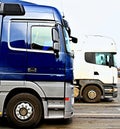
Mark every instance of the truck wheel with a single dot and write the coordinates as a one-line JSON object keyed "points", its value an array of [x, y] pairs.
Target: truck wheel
{"points": [[92, 94], [24, 110]]}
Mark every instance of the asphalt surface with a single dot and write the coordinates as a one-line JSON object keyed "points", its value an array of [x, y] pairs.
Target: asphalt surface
{"points": [[103, 115]]}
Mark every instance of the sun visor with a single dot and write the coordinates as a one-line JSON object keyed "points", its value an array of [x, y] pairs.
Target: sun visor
{"points": [[11, 9]]}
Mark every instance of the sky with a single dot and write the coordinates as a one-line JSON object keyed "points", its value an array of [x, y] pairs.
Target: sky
{"points": [[90, 17]]}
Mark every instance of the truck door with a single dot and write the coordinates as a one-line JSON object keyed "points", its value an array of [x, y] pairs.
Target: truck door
{"points": [[42, 62], [13, 50]]}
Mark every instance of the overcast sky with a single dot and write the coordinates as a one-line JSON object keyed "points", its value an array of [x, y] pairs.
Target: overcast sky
{"points": [[90, 17]]}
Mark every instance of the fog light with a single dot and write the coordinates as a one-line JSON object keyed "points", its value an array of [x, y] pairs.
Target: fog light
{"points": [[115, 89], [0, 113]]}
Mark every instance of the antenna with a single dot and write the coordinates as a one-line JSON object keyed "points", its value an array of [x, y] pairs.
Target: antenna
{"points": [[62, 9]]}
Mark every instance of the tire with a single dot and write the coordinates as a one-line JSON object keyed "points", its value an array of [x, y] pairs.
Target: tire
{"points": [[92, 94], [24, 110]]}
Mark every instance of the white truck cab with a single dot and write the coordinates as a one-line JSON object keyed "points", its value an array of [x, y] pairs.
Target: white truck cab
{"points": [[95, 72]]}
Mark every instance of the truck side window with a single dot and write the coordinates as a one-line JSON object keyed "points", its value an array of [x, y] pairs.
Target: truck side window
{"points": [[41, 38], [99, 58], [102, 58], [90, 57], [18, 35]]}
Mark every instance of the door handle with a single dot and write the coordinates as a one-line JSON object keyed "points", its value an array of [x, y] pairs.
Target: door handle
{"points": [[32, 70], [96, 73]]}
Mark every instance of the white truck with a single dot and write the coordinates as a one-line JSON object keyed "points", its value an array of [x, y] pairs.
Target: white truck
{"points": [[95, 73]]}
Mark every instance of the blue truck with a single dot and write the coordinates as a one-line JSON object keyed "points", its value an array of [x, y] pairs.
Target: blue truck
{"points": [[36, 69]]}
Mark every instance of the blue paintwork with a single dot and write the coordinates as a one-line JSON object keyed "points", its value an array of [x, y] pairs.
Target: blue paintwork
{"points": [[14, 64]]}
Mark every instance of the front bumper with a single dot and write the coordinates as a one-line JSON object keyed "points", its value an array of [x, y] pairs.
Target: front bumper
{"points": [[110, 91]]}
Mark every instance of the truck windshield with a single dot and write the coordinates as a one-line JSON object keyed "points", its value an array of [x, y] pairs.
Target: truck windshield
{"points": [[67, 42]]}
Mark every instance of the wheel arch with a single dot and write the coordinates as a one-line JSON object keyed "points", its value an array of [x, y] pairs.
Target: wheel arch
{"points": [[16, 91], [87, 83]]}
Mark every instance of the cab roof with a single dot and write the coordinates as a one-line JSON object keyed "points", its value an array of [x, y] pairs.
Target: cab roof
{"points": [[38, 11], [96, 43]]}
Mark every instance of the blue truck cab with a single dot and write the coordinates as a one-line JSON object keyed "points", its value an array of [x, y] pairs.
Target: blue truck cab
{"points": [[36, 69]]}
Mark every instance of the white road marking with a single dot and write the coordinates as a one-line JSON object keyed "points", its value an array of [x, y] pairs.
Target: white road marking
{"points": [[96, 115]]}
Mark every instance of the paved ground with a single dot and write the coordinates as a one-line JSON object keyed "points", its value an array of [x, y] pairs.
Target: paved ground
{"points": [[103, 115]]}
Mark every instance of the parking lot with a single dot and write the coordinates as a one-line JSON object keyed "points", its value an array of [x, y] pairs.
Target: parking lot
{"points": [[103, 115]]}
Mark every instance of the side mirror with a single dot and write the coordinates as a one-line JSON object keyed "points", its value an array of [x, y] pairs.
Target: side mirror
{"points": [[55, 38], [56, 47], [73, 39], [110, 62]]}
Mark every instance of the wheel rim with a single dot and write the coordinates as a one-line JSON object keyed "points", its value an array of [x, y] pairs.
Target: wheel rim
{"points": [[92, 94], [24, 111]]}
